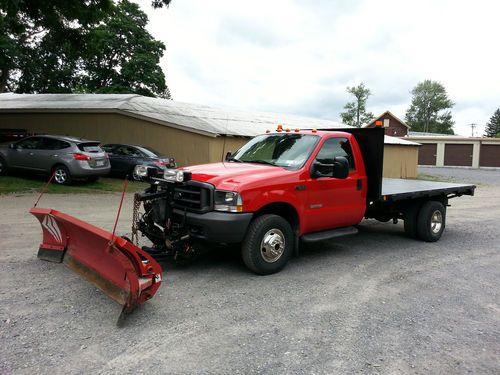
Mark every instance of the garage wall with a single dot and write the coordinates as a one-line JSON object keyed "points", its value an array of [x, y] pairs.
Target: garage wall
{"points": [[188, 148], [400, 161]]}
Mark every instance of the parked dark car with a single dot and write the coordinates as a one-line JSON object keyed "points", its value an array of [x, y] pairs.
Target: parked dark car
{"points": [[66, 157], [125, 157]]}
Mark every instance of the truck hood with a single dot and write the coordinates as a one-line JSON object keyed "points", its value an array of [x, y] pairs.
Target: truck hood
{"points": [[230, 176]]}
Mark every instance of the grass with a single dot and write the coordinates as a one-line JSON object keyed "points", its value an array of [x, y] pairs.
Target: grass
{"points": [[19, 185]]}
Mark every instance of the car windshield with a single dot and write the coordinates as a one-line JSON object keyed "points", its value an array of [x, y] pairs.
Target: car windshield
{"points": [[281, 150]]}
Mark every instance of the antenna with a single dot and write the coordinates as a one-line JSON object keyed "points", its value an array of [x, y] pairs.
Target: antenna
{"points": [[472, 126]]}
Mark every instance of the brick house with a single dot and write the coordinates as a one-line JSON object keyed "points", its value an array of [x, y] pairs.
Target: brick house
{"points": [[393, 125]]}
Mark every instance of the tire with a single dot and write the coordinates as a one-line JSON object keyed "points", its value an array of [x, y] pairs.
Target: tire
{"points": [[431, 221], [410, 217], [3, 167], [268, 244], [62, 176]]}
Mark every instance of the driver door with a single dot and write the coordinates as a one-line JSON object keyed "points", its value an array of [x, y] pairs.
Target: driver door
{"points": [[333, 202]]}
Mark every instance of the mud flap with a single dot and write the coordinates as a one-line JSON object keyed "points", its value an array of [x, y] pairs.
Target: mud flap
{"points": [[120, 269]]}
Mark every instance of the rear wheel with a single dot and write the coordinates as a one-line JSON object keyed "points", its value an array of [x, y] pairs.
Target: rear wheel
{"points": [[3, 167], [268, 244], [410, 216], [62, 176], [431, 221]]}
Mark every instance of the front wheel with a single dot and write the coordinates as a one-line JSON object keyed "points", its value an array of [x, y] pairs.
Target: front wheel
{"points": [[268, 244]]}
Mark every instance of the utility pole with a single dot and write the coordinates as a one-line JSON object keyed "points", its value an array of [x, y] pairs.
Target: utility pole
{"points": [[472, 126]]}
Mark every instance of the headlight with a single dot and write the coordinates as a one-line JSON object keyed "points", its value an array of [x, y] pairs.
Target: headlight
{"points": [[228, 201], [140, 172], [174, 175]]}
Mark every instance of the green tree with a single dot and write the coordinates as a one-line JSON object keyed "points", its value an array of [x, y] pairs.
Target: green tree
{"points": [[430, 109], [24, 23], [79, 46], [122, 57], [355, 112], [492, 129]]}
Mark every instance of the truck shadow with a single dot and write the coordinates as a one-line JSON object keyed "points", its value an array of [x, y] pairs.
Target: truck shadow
{"points": [[372, 237]]}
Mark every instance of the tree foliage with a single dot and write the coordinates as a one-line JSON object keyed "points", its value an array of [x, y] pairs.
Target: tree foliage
{"points": [[430, 109], [355, 112], [64, 46], [492, 129]]}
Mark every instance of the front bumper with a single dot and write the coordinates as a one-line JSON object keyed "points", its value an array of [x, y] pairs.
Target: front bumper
{"points": [[217, 226]]}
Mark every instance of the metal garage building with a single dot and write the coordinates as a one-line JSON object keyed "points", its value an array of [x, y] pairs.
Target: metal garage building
{"points": [[447, 151], [191, 133]]}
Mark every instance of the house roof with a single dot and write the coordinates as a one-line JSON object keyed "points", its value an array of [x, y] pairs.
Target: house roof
{"points": [[386, 113], [191, 117]]}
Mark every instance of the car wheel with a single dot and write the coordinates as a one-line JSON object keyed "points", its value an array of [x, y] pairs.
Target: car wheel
{"points": [[268, 244], [431, 221], [62, 175], [3, 167]]}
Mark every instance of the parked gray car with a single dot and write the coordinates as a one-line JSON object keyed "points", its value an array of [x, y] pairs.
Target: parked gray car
{"points": [[66, 157]]}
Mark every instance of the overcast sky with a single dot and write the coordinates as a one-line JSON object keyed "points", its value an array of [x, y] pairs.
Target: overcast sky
{"points": [[298, 57]]}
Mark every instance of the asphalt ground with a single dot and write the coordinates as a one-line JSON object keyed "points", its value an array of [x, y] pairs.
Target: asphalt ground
{"points": [[374, 303]]}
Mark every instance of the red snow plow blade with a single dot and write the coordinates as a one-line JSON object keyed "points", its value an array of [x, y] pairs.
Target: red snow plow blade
{"points": [[120, 269]]}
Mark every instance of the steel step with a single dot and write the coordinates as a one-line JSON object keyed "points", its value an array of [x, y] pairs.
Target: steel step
{"points": [[329, 234]]}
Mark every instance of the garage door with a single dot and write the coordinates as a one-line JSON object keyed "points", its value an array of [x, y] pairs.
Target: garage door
{"points": [[489, 156], [427, 154], [458, 155]]}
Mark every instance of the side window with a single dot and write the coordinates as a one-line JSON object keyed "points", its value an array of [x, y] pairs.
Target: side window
{"points": [[32, 143], [127, 151], [53, 144], [336, 147]]}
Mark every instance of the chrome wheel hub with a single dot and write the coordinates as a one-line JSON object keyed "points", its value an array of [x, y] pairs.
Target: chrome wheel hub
{"points": [[272, 245], [60, 176], [436, 221]]}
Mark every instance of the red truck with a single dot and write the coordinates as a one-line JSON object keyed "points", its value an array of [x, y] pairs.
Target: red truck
{"points": [[284, 188], [278, 190]]}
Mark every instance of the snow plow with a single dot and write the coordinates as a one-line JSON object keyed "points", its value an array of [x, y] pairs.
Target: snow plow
{"points": [[123, 271]]}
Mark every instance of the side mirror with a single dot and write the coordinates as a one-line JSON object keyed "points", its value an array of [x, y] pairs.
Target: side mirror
{"points": [[228, 156], [338, 169], [12, 146]]}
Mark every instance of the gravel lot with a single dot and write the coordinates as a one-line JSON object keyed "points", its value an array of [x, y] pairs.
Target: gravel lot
{"points": [[376, 303]]}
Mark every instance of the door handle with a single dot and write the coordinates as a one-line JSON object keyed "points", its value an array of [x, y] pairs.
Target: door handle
{"points": [[55, 156], [31, 154]]}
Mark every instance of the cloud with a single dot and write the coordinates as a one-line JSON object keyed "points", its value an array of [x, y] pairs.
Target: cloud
{"points": [[298, 57]]}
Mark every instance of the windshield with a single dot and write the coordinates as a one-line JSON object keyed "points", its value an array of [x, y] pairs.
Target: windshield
{"points": [[282, 150]]}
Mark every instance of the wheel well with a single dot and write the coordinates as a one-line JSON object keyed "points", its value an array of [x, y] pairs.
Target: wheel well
{"points": [[285, 210], [56, 165]]}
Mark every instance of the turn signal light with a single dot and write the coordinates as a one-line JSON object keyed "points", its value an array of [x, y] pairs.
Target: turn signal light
{"points": [[81, 157], [279, 128]]}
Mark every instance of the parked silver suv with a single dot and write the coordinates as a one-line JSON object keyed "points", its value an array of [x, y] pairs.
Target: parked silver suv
{"points": [[66, 157]]}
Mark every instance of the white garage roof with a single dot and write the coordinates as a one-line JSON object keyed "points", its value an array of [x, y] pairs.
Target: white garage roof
{"points": [[191, 117]]}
